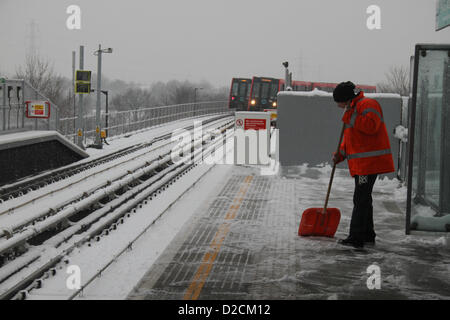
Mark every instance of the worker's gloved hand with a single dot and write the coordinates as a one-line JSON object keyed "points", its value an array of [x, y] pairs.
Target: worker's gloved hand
{"points": [[337, 157], [347, 115]]}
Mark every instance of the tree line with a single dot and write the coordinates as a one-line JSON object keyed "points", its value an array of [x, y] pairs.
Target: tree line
{"points": [[123, 95], [40, 73]]}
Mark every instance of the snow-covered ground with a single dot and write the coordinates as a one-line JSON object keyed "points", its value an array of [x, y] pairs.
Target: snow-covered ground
{"points": [[89, 180], [262, 256], [287, 266], [17, 217]]}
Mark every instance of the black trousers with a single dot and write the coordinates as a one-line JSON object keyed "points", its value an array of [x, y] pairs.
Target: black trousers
{"points": [[361, 225]]}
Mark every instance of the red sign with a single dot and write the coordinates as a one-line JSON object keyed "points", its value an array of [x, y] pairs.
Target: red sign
{"points": [[255, 124], [38, 109]]}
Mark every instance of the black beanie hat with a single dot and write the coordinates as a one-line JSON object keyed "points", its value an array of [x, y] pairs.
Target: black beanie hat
{"points": [[344, 92]]}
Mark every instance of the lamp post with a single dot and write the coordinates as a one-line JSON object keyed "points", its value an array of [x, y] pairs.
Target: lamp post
{"points": [[287, 82], [98, 120]]}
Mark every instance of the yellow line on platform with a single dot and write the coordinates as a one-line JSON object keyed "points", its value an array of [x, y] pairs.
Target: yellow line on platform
{"points": [[194, 289]]}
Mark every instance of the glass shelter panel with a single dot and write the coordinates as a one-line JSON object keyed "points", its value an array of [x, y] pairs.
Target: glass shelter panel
{"points": [[429, 149]]}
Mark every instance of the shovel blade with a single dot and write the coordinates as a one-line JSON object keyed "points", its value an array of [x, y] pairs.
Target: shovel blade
{"points": [[315, 222]]}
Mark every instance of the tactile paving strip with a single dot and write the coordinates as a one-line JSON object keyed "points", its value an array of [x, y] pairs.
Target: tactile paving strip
{"points": [[245, 246], [224, 256]]}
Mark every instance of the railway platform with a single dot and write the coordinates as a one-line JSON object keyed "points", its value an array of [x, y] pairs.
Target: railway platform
{"points": [[243, 244], [50, 150]]}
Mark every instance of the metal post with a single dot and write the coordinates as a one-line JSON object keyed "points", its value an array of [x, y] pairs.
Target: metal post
{"points": [[36, 96], [106, 110], [98, 125], [287, 75], [80, 122], [9, 104], [410, 146], [73, 98], [286, 78], [444, 192], [18, 106], [195, 101], [4, 106], [23, 103]]}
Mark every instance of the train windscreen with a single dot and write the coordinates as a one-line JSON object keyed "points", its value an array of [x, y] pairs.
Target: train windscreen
{"points": [[264, 93], [239, 93]]}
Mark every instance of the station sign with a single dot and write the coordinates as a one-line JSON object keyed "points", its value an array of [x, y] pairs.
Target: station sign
{"points": [[83, 75], [252, 138], [38, 109], [83, 81], [82, 87], [255, 124]]}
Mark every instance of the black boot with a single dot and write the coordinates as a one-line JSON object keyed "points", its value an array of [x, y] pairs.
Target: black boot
{"points": [[369, 241], [349, 241]]}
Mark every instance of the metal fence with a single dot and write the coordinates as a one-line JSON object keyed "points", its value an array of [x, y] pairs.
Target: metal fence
{"points": [[118, 123], [13, 95]]}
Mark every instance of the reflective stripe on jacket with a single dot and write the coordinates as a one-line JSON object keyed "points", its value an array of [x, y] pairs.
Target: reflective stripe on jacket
{"points": [[366, 142]]}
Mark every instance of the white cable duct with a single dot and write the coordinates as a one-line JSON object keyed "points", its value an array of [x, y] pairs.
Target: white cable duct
{"points": [[75, 208], [101, 224], [128, 206], [72, 166], [13, 208], [47, 211], [13, 267]]}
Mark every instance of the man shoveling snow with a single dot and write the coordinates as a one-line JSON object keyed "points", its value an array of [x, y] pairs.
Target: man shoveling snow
{"points": [[367, 149]]}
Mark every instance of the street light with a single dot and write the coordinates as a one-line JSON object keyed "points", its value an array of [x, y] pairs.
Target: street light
{"points": [[98, 53], [287, 77]]}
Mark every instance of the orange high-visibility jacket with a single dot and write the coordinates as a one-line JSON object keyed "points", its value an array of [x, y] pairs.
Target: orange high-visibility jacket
{"points": [[366, 142]]}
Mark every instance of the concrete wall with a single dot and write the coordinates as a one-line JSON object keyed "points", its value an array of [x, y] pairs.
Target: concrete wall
{"points": [[310, 122], [32, 152]]}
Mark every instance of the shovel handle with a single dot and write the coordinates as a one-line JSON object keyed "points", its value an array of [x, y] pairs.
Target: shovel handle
{"points": [[332, 171]]}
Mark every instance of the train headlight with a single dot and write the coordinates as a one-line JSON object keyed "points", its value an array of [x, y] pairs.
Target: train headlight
{"points": [[274, 104], [253, 102]]}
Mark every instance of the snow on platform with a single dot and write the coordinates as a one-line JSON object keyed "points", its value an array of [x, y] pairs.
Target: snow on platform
{"points": [[25, 138], [29, 153], [243, 244]]}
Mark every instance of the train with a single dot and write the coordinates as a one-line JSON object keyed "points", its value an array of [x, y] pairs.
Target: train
{"points": [[260, 93]]}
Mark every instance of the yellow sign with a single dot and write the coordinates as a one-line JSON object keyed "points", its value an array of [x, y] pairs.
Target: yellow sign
{"points": [[97, 129], [80, 133], [103, 134]]}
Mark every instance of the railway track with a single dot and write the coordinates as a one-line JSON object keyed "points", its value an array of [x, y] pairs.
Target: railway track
{"points": [[30, 249], [26, 185]]}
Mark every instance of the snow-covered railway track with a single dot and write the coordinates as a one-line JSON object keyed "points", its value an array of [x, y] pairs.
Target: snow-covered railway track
{"points": [[27, 185], [103, 212], [17, 214]]}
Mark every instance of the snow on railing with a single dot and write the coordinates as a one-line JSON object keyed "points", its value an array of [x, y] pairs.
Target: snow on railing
{"points": [[117, 123]]}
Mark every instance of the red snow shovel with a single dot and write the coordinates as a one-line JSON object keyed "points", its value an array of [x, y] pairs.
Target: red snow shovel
{"points": [[322, 221]]}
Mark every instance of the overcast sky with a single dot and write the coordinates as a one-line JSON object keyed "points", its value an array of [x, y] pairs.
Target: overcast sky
{"points": [[215, 40]]}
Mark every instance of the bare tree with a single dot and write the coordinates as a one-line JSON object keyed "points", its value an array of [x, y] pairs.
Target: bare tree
{"points": [[397, 81], [40, 74], [132, 99], [180, 92], [163, 94]]}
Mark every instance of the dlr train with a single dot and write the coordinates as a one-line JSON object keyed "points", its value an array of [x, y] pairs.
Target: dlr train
{"points": [[260, 93]]}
